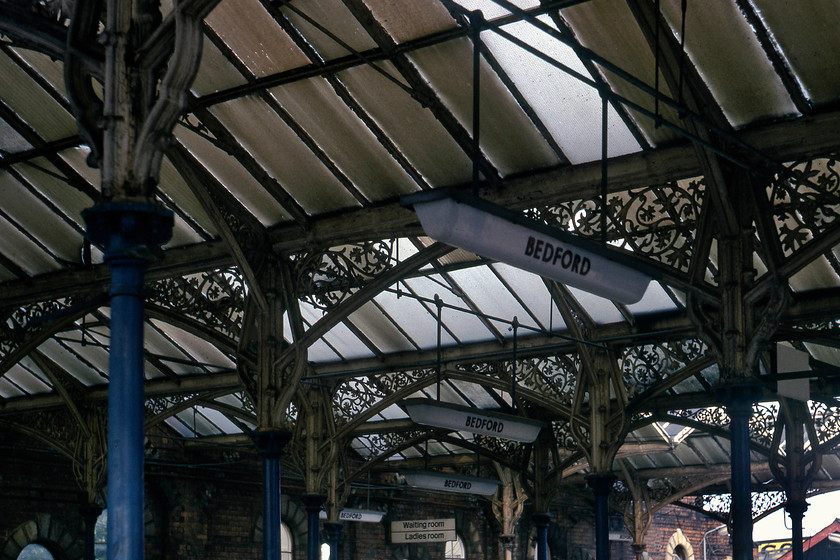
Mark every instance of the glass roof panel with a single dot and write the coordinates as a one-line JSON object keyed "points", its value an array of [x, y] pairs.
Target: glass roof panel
{"points": [[233, 176], [411, 316], [726, 52], [176, 188], [76, 364], [476, 395], [531, 289], [26, 381], [818, 274], [569, 108], [178, 425], [10, 141], [492, 298], [602, 27], [282, 153], [492, 10], [37, 219], [19, 249], [220, 420], [345, 139], [463, 324], [655, 299], [94, 353], [409, 20], [198, 348], [340, 338], [810, 42], [602, 311], [215, 72], [71, 201], [254, 37], [508, 137], [34, 105], [8, 389], [51, 70], [411, 127], [336, 18], [381, 331], [393, 412]]}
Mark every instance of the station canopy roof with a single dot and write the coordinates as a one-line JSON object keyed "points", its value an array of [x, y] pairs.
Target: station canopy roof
{"points": [[647, 128]]}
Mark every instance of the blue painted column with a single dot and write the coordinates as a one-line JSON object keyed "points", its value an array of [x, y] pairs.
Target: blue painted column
{"points": [[542, 521], [270, 444], [601, 485], [739, 399], [333, 531], [126, 231], [312, 503]]}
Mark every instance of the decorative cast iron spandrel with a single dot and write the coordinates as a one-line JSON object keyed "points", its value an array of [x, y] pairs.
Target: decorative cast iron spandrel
{"points": [[763, 422], [554, 377], [826, 421], [710, 416], [325, 279], [805, 201], [722, 503], [25, 320], [510, 450], [353, 397], [158, 405], [375, 445], [396, 381], [215, 298], [563, 435], [645, 366], [658, 222]]}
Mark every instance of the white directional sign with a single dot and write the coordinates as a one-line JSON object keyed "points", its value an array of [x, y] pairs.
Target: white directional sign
{"points": [[447, 482], [496, 233], [363, 515], [477, 421], [423, 530]]}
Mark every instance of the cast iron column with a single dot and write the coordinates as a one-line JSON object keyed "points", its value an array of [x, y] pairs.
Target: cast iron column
{"points": [[601, 485], [542, 521], [313, 503], [333, 531], [796, 510], [739, 402], [270, 444], [126, 231]]}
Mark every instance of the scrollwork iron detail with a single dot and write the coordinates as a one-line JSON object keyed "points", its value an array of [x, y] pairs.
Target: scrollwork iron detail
{"points": [[658, 222], [327, 278], [216, 299], [805, 200], [645, 366], [826, 421]]}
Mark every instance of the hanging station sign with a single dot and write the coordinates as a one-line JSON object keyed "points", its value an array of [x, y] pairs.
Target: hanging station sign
{"points": [[462, 418], [423, 530], [361, 515], [446, 482], [496, 233]]}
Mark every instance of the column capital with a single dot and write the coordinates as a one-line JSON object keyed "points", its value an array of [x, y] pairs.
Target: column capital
{"points": [[128, 228], [270, 443], [601, 483]]}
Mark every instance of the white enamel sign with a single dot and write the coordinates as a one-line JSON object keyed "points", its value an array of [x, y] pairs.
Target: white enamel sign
{"points": [[423, 530]]}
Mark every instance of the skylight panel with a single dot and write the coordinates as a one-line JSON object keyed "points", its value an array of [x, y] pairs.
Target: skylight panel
{"points": [[569, 108]]}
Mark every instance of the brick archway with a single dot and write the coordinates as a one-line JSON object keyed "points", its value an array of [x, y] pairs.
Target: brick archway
{"points": [[676, 543], [50, 533]]}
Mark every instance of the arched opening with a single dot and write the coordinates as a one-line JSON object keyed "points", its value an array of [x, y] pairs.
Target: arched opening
{"points": [[286, 542], [35, 552], [455, 549]]}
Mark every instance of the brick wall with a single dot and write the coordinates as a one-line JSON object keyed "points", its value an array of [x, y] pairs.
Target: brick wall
{"points": [[199, 509]]}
